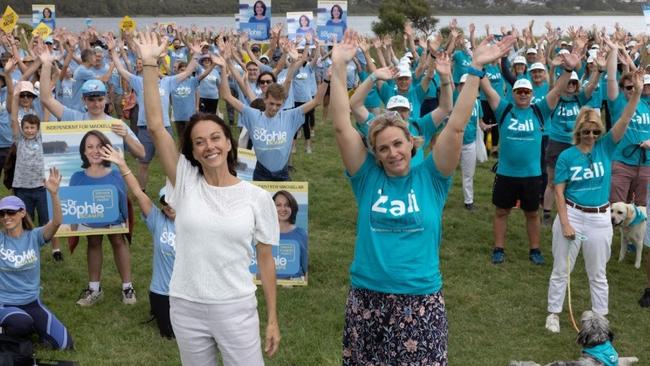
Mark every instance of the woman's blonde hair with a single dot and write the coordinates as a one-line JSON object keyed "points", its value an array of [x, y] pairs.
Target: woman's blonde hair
{"points": [[586, 115], [391, 119]]}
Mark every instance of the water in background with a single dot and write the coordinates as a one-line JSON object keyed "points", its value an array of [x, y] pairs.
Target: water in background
{"points": [[362, 24]]}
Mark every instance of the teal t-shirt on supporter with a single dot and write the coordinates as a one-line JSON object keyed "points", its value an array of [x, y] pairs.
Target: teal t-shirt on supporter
{"points": [[563, 118], [415, 95], [493, 73], [469, 136], [596, 99], [372, 100], [399, 229], [628, 150], [587, 175], [20, 267], [539, 94], [461, 61], [420, 126], [434, 87], [520, 139]]}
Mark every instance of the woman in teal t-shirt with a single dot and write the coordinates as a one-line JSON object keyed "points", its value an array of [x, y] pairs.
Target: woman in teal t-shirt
{"points": [[582, 181], [395, 311]]}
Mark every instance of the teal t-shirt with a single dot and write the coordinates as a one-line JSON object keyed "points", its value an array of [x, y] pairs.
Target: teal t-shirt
{"points": [[415, 95], [596, 100], [418, 126], [372, 100], [520, 139], [539, 94], [587, 175], [628, 150], [493, 73], [563, 118], [461, 61], [469, 136], [399, 229]]}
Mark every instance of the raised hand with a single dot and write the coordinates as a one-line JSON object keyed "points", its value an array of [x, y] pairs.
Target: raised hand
{"points": [[486, 53], [150, 47], [218, 60], [119, 129], [472, 28], [387, 73], [363, 44], [408, 29], [53, 181], [570, 61], [345, 50], [637, 79], [376, 43], [109, 153], [443, 64]]}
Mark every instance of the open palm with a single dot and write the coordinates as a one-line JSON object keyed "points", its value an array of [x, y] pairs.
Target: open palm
{"points": [[344, 51]]}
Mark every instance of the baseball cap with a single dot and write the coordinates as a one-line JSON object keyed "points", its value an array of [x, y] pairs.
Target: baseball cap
{"points": [[204, 44], [404, 71], [537, 66], [463, 79], [595, 47], [631, 43], [11, 203], [522, 84], [574, 76], [398, 101], [563, 52], [591, 59], [519, 60], [408, 54], [26, 86], [646, 79], [93, 88], [264, 57], [531, 50], [49, 40]]}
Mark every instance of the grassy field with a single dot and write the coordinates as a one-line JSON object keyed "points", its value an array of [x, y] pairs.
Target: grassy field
{"points": [[496, 313]]}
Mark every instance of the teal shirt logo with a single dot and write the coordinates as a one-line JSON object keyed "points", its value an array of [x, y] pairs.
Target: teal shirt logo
{"points": [[595, 170]]}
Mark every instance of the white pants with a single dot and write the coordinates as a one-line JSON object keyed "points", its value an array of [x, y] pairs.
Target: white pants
{"points": [[201, 329], [467, 168], [596, 251]]}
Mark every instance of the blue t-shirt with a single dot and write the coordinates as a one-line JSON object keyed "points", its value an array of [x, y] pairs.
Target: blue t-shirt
{"points": [[176, 55], [74, 115], [372, 99], [461, 61], [297, 238], [80, 76], [184, 99], [64, 92], [493, 73], [6, 134], [563, 118], [20, 267], [628, 150], [415, 95], [304, 84], [469, 136], [260, 36], [520, 139], [272, 137], [209, 86], [163, 232], [80, 178], [596, 100], [165, 87], [399, 229], [587, 176], [282, 77]]}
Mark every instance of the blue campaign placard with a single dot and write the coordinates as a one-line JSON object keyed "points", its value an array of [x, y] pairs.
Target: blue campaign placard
{"points": [[286, 257], [87, 204], [329, 33], [256, 31]]}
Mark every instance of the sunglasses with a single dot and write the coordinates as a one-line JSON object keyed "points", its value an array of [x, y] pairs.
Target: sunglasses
{"points": [[590, 132], [26, 95], [266, 81], [4, 213], [523, 91], [628, 87]]}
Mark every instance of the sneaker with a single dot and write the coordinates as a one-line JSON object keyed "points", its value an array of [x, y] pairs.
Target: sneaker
{"points": [[553, 323], [498, 256], [645, 299], [58, 256], [128, 296], [469, 206], [308, 150], [536, 257], [89, 297]]}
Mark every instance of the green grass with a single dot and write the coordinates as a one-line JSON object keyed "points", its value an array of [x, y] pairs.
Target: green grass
{"points": [[496, 313]]}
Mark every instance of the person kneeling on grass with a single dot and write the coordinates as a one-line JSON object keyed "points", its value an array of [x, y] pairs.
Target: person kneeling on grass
{"points": [[160, 223], [21, 309]]}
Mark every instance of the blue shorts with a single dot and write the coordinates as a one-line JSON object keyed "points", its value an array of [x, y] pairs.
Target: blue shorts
{"points": [[147, 142]]}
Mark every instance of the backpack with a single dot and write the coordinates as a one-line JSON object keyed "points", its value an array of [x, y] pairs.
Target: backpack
{"points": [[16, 351]]}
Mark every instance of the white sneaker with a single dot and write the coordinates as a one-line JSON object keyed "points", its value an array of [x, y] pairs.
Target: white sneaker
{"points": [[89, 297], [128, 296], [553, 323]]}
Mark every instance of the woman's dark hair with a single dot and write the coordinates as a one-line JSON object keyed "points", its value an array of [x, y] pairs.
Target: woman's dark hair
{"points": [[187, 147], [293, 204], [27, 222], [31, 119], [340, 9], [49, 13], [263, 7], [259, 77], [301, 18], [82, 147]]}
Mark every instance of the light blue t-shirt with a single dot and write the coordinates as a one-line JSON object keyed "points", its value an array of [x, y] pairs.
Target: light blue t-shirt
{"points": [[272, 137], [587, 176], [80, 76], [165, 87], [74, 115], [628, 150], [176, 55], [520, 139], [20, 267], [399, 229], [64, 92], [563, 117], [282, 76], [184, 99], [163, 232], [209, 86], [6, 134], [304, 84]]}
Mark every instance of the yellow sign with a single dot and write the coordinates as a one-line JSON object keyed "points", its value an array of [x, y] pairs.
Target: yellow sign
{"points": [[9, 20], [127, 24], [42, 31]]}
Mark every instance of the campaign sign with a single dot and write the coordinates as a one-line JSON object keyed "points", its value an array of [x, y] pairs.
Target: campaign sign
{"points": [[291, 256], [91, 205], [246, 161], [256, 31], [255, 19], [332, 17], [44, 14], [9, 20]]}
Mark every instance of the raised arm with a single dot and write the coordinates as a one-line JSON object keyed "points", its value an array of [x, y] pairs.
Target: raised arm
{"points": [[569, 63], [110, 42], [48, 100], [446, 152], [612, 59], [112, 155], [353, 152], [619, 128], [493, 98], [224, 88], [132, 143], [150, 48], [358, 99], [445, 104], [52, 184]]}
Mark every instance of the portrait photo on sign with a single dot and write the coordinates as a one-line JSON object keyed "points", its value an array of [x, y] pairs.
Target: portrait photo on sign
{"points": [[93, 193], [255, 19], [300, 24], [332, 20], [45, 14], [291, 256]]}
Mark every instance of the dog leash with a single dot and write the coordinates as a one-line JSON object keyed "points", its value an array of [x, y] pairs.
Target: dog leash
{"points": [[581, 238]]}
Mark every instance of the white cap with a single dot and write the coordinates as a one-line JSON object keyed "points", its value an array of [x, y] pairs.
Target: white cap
{"points": [[574, 76], [463, 79], [591, 59], [563, 52], [522, 84], [404, 71], [408, 54], [537, 66], [531, 50], [631, 43], [519, 60], [398, 101], [563, 43], [646, 79], [595, 47], [592, 53], [468, 44], [405, 61]]}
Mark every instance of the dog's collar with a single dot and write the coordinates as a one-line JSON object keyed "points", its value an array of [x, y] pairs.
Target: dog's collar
{"points": [[604, 353], [639, 216]]}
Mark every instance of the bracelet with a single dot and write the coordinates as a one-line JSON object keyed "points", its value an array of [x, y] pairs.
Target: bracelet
{"points": [[444, 84], [149, 65], [373, 77], [475, 72], [127, 173], [568, 70], [326, 81]]}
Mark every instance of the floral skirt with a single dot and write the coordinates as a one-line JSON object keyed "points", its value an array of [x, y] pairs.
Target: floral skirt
{"points": [[388, 329]]}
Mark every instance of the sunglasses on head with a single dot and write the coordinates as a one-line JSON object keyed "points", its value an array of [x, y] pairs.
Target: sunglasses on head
{"points": [[26, 95], [266, 81], [590, 132], [4, 213], [523, 91], [628, 87]]}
